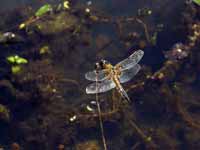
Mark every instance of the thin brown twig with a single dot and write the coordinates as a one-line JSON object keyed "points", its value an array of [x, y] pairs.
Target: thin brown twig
{"points": [[145, 138], [145, 29], [71, 81], [100, 118], [185, 116], [135, 146]]}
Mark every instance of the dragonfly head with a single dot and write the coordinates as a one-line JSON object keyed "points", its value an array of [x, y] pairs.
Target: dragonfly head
{"points": [[101, 64]]}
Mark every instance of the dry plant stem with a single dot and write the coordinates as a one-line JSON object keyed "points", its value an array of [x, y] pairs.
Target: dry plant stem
{"points": [[135, 86], [145, 29], [105, 46], [31, 20], [27, 22], [185, 116], [135, 146], [127, 20], [71, 81], [142, 135], [100, 119]]}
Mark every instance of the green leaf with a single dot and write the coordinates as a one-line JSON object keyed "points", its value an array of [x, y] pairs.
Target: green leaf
{"points": [[196, 2], [11, 59], [43, 10], [15, 59], [16, 69], [21, 60]]}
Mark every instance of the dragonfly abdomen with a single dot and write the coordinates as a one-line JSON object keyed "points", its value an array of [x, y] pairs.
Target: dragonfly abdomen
{"points": [[121, 90]]}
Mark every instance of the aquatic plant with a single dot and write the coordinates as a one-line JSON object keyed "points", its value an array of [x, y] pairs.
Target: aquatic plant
{"points": [[179, 51], [196, 2], [38, 15], [4, 113], [16, 69], [44, 50], [43, 10], [16, 62]]}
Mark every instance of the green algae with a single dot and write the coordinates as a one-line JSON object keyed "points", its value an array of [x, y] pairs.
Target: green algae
{"points": [[56, 23]]}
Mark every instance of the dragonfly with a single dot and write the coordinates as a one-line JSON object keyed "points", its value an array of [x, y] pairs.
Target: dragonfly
{"points": [[107, 76]]}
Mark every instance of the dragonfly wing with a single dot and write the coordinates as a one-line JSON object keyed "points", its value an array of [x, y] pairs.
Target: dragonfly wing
{"points": [[94, 76], [128, 74], [100, 87], [131, 61]]}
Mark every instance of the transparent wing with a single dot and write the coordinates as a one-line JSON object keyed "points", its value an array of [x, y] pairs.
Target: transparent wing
{"points": [[128, 74], [93, 76], [131, 61], [100, 87]]}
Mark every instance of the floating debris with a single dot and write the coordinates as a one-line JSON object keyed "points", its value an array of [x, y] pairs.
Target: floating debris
{"points": [[66, 5], [91, 107], [73, 118], [10, 37], [44, 50], [87, 10], [144, 12], [179, 51], [22, 26]]}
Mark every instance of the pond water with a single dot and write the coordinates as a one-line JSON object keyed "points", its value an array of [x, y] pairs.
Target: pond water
{"points": [[45, 55]]}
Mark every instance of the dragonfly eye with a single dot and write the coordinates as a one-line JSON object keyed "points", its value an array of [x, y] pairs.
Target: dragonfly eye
{"points": [[98, 66], [103, 62]]}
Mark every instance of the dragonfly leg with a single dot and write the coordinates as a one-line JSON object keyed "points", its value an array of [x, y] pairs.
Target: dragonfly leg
{"points": [[125, 95]]}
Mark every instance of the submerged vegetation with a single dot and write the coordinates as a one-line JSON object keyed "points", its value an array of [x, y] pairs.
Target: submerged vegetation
{"points": [[45, 53]]}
